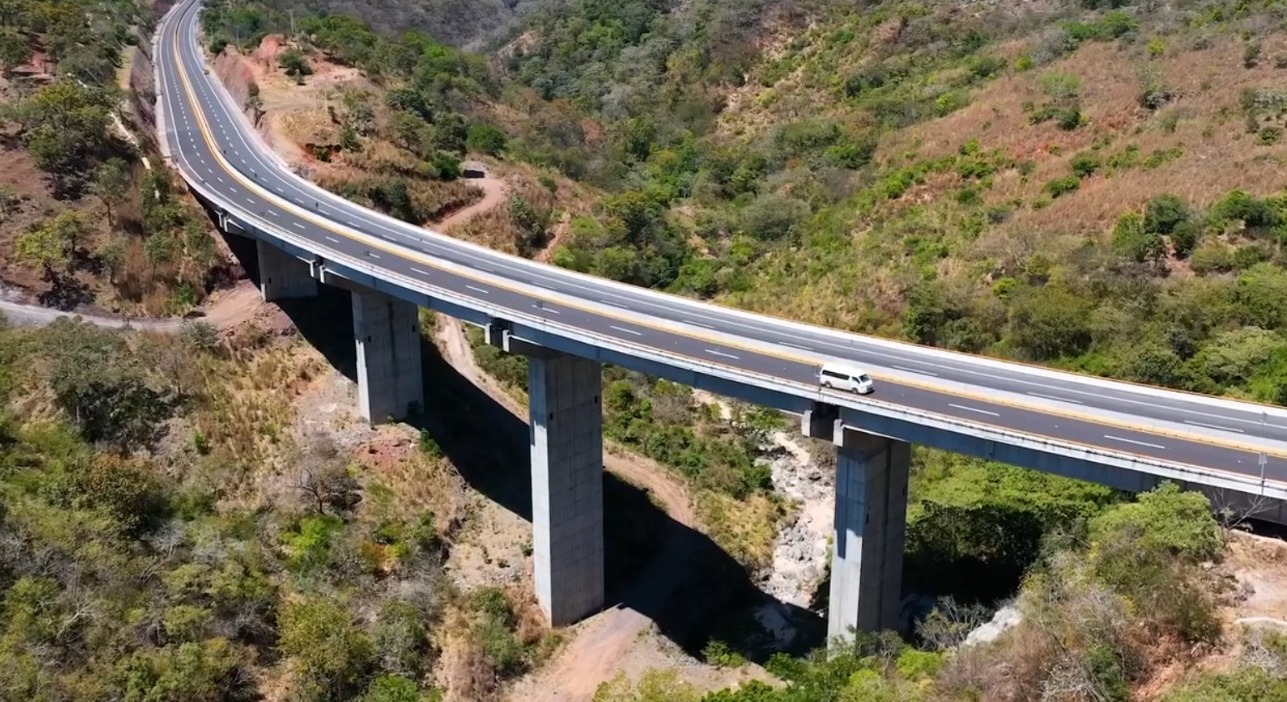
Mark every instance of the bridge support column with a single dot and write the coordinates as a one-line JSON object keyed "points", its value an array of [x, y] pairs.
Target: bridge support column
{"points": [[387, 332], [871, 523], [567, 484], [281, 275]]}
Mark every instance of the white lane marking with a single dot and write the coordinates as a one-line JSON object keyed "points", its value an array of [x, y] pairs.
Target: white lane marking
{"points": [[965, 370], [695, 324], [545, 309], [417, 270], [477, 289], [543, 285], [372, 254], [1213, 426], [273, 213], [915, 370], [1133, 441], [1056, 399], [794, 346], [386, 237], [713, 352], [485, 268], [297, 225], [614, 304], [220, 179], [331, 238], [628, 331], [975, 409]]}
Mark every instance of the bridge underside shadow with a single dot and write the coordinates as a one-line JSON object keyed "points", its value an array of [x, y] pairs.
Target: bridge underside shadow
{"points": [[669, 572]]}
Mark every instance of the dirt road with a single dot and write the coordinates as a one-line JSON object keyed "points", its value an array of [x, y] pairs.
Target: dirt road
{"points": [[494, 192], [224, 309]]}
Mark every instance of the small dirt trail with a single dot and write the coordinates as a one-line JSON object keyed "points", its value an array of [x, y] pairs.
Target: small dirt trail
{"points": [[601, 644], [494, 192], [224, 309]]}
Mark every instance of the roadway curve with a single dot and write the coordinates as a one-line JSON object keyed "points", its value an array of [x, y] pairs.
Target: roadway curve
{"points": [[216, 149]]}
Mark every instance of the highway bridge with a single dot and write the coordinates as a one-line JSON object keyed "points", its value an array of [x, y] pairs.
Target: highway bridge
{"points": [[1119, 434]]}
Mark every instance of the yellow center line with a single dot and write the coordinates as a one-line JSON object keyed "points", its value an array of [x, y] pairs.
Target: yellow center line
{"points": [[769, 349]]}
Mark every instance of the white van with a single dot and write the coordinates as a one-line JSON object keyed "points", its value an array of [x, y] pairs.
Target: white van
{"points": [[847, 378]]}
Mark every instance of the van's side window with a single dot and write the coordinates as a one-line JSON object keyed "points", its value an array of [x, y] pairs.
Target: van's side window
{"points": [[834, 374]]}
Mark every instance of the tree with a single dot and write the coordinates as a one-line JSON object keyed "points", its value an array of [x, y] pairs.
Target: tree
{"points": [[391, 688], [294, 63], [1050, 322], [332, 653], [1164, 213], [112, 255], [211, 671], [1134, 240], [322, 478], [53, 244], [15, 50], [486, 138], [64, 125], [161, 248], [101, 385], [531, 226], [111, 184], [254, 103]]}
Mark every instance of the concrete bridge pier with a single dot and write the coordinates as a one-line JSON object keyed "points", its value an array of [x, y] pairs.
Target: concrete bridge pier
{"points": [[281, 275], [387, 333], [565, 410], [870, 524], [566, 436]]}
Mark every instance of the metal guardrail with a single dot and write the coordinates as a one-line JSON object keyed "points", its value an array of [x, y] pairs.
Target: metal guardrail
{"points": [[1177, 470]]}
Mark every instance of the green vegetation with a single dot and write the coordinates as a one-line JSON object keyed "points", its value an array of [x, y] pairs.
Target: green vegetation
{"points": [[1094, 612], [155, 575]]}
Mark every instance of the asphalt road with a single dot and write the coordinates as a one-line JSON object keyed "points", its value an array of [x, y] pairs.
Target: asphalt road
{"points": [[212, 143]]}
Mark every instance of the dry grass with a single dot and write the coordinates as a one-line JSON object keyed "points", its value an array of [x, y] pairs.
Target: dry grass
{"points": [[1218, 155], [745, 529], [249, 407]]}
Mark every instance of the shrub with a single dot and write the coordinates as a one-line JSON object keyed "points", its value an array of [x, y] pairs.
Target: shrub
{"points": [[1177, 523], [1164, 213], [1085, 164], [1133, 240], [486, 138], [294, 63], [1061, 186]]}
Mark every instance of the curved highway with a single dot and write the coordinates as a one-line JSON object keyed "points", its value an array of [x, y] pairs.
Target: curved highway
{"points": [[216, 150]]}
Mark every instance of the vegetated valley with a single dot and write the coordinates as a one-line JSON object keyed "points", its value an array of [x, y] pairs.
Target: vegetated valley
{"points": [[190, 511]]}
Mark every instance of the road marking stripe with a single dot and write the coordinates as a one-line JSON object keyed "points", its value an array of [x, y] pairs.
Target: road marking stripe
{"points": [[372, 254], [614, 304], [794, 346], [695, 324], [1133, 441], [545, 309], [628, 331], [916, 370], [976, 409], [477, 289], [713, 352], [1213, 426], [417, 270], [297, 225], [331, 238], [765, 350], [1056, 399]]}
